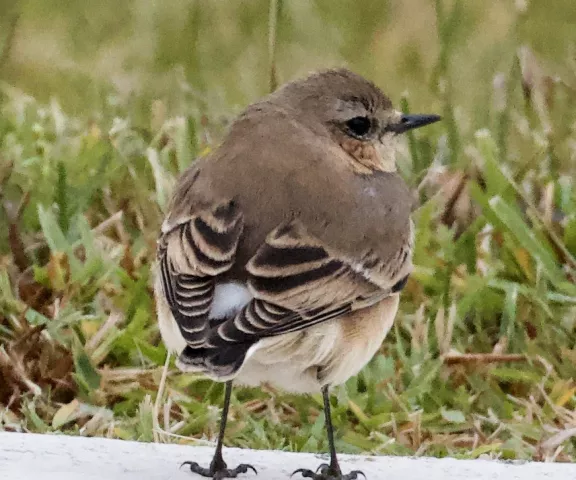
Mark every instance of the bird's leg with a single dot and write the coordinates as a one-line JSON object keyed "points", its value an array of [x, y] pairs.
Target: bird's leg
{"points": [[330, 471], [218, 469]]}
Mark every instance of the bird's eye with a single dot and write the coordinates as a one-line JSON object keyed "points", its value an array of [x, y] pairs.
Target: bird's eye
{"points": [[359, 126]]}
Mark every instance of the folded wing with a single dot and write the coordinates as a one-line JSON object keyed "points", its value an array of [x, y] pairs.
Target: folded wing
{"points": [[192, 254], [297, 282]]}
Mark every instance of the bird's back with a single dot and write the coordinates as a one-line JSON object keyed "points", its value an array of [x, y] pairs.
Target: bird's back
{"points": [[274, 179]]}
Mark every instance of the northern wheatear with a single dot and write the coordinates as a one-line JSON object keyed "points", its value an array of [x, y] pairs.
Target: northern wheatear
{"points": [[284, 251]]}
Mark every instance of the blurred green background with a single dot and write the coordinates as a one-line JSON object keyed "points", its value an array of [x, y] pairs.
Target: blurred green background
{"points": [[80, 52], [102, 106]]}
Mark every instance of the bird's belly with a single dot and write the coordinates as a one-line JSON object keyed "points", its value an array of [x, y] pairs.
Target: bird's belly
{"points": [[326, 354]]}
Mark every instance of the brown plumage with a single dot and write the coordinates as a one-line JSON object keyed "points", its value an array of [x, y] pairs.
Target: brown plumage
{"points": [[284, 251]]}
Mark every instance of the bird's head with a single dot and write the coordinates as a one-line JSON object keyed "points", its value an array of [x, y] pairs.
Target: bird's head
{"points": [[354, 113]]}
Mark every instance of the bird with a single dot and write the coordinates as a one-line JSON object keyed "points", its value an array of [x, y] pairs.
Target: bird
{"points": [[283, 251]]}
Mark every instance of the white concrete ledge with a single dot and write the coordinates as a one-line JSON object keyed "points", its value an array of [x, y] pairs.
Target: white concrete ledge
{"points": [[58, 457]]}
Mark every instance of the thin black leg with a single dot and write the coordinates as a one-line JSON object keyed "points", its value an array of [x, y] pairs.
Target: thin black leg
{"points": [[218, 469], [218, 460], [334, 467], [331, 471]]}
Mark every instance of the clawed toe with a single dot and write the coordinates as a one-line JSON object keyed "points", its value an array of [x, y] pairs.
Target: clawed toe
{"points": [[220, 473], [323, 472], [305, 473], [353, 475], [194, 467]]}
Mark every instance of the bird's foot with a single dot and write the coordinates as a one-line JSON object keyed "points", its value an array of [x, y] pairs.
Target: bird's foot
{"points": [[327, 472], [219, 470]]}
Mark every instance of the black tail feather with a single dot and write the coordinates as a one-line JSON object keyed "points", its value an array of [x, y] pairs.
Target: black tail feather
{"points": [[221, 361]]}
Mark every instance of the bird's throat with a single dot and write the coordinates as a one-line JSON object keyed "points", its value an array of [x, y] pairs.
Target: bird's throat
{"points": [[366, 158]]}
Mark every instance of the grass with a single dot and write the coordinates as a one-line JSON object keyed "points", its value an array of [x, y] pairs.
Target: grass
{"points": [[482, 359]]}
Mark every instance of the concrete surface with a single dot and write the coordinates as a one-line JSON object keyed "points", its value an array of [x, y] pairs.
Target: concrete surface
{"points": [[58, 457]]}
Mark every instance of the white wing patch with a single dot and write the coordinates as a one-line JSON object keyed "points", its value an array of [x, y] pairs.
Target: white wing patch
{"points": [[229, 299]]}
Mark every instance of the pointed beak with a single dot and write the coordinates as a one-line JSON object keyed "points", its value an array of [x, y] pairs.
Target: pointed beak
{"points": [[408, 122]]}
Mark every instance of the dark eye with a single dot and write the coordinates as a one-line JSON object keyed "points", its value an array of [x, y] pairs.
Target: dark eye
{"points": [[359, 126]]}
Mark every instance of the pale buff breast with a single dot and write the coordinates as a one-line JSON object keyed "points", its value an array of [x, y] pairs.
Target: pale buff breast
{"points": [[326, 354]]}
